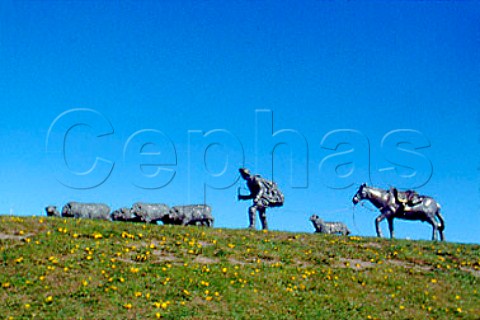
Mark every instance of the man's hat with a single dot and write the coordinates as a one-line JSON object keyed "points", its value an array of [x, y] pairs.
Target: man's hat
{"points": [[244, 171]]}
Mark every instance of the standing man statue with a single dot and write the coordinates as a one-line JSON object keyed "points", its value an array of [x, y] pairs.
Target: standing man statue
{"points": [[265, 193]]}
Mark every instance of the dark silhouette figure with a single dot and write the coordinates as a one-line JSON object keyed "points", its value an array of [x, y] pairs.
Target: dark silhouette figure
{"points": [[264, 193]]}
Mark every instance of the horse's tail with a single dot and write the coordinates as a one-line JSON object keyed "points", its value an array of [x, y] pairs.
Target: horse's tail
{"points": [[440, 218]]}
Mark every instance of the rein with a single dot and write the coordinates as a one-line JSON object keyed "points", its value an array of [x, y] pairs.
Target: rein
{"points": [[368, 208], [362, 203], [353, 218]]}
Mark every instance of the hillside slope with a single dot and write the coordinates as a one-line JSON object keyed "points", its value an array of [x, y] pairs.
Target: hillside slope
{"points": [[83, 269]]}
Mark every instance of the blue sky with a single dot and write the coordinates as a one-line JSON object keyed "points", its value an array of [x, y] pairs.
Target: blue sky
{"points": [[390, 90]]}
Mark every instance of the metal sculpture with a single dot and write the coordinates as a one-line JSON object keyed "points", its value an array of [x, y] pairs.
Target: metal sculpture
{"points": [[402, 205], [264, 193], [328, 227]]}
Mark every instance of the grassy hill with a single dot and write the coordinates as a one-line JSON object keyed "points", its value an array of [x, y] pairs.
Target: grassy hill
{"points": [[83, 269]]}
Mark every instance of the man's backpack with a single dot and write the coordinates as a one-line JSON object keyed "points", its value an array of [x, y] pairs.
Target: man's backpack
{"points": [[271, 193]]}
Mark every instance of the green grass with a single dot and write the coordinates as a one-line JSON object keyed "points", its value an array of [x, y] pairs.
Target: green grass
{"points": [[54, 268]]}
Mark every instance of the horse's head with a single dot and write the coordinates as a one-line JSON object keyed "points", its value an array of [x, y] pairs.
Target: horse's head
{"points": [[360, 195]]}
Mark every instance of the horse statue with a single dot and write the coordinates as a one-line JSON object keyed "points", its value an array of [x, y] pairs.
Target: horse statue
{"points": [[391, 206]]}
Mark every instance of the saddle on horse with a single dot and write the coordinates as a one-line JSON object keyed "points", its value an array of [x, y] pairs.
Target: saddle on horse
{"points": [[408, 198]]}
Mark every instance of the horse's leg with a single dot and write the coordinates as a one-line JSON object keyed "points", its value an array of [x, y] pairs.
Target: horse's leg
{"points": [[377, 225], [390, 227], [441, 224], [435, 228]]}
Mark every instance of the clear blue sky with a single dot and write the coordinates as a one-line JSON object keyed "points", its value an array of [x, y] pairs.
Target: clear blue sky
{"points": [[205, 82]]}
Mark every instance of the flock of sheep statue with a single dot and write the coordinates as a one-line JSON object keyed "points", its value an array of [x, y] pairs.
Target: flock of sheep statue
{"points": [[197, 214], [140, 212]]}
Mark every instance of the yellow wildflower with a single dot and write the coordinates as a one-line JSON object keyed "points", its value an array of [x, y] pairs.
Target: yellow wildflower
{"points": [[134, 270]]}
